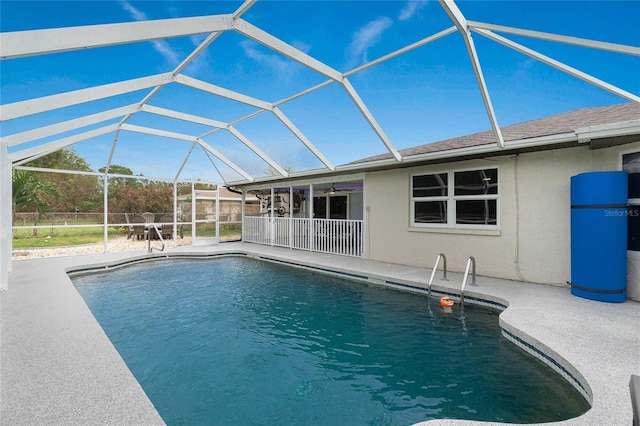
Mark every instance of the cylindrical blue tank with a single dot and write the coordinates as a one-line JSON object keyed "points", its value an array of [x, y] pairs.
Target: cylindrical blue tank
{"points": [[599, 236]]}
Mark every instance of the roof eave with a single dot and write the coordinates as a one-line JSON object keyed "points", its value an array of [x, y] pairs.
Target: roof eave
{"points": [[561, 140]]}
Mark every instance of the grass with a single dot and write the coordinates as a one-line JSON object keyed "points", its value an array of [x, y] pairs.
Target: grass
{"points": [[62, 237], [23, 238]]}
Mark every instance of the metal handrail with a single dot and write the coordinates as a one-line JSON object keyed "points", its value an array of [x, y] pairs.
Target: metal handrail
{"points": [[149, 248], [435, 268], [471, 261]]}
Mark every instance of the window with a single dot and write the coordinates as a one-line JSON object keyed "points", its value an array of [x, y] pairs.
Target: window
{"points": [[455, 199], [337, 207], [430, 195], [631, 163]]}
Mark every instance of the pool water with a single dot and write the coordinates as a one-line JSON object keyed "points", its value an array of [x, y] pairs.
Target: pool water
{"points": [[241, 341]]}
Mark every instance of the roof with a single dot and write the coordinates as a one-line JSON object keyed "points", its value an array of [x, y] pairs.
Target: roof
{"points": [[559, 124]]}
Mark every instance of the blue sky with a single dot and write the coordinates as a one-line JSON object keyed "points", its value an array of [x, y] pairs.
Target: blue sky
{"points": [[424, 96]]}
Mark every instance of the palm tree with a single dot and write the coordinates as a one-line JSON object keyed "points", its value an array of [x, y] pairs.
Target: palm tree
{"points": [[27, 191]]}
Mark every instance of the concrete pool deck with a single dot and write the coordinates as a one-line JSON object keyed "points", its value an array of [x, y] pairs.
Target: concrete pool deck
{"points": [[57, 366]]}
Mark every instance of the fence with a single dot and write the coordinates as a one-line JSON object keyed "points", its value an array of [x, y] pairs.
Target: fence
{"points": [[56, 221], [333, 236]]}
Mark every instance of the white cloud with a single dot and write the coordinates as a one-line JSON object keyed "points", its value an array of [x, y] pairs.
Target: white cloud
{"points": [[365, 37], [165, 50], [411, 8], [160, 46], [135, 13], [273, 62], [302, 46]]}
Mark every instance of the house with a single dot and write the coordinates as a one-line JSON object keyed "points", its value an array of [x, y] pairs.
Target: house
{"points": [[230, 205], [508, 207]]}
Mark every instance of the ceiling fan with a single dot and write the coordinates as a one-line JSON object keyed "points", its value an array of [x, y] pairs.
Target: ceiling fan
{"points": [[333, 190]]}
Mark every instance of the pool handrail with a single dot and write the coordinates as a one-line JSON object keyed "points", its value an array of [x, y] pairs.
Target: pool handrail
{"points": [[149, 248], [435, 268], [470, 261]]}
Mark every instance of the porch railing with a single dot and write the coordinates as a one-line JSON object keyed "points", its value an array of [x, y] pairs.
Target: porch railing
{"points": [[334, 236]]}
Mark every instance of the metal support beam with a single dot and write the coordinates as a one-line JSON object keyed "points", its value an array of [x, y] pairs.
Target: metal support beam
{"points": [[593, 44], [65, 126], [461, 23], [560, 66], [221, 91], [369, 117], [184, 117], [266, 39], [257, 151], [225, 160], [48, 103], [402, 51], [198, 50], [285, 120], [26, 155], [37, 42], [243, 8], [157, 132], [184, 162], [208, 154]]}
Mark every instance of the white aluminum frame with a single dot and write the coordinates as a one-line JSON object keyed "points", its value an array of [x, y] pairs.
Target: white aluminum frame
{"points": [[45, 41]]}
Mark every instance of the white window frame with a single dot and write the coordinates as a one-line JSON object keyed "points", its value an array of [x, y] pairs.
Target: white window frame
{"points": [[451, 200], [630, 201], [327, 201]]}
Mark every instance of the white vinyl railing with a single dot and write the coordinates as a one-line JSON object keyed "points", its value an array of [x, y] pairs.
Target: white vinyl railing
{"points": [[334, 236]]}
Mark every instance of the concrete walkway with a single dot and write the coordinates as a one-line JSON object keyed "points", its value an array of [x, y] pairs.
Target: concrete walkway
{"points": [[58, 367]]}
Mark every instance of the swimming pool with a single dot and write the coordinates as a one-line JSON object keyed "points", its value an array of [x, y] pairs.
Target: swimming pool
{"points": [[241, 341]]}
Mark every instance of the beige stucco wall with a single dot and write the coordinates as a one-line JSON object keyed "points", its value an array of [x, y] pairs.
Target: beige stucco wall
{"points": [[534, 240]]}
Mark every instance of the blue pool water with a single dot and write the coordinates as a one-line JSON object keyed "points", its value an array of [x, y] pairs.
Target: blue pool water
{"points": [[237, 341]]}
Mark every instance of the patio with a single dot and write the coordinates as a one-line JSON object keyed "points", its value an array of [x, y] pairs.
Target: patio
{"points": [[186, 114], [59, 367]]}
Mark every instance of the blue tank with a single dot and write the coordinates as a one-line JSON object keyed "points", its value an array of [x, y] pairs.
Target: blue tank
{"points": [[599, 235]]}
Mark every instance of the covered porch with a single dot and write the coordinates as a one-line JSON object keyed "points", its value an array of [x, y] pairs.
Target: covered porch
{"points": [[323, 215]]}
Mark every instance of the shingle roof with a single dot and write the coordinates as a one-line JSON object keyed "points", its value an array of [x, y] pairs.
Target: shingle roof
{"points": [[556, 124]]}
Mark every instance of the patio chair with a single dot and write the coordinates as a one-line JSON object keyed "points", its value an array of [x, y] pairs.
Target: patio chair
{"points": [[148, 217], [167, 226], [139, 231], [129, 227]]}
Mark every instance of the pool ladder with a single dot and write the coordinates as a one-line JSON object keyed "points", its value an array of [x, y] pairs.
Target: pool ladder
{"points": [[435, 268], [149, 248], [471, 263]]}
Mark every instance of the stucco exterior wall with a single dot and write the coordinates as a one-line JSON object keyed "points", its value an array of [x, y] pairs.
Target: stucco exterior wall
{"points": [[533, 242]]}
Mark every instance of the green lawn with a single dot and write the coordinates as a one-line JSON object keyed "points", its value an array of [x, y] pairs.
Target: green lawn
{"points": [[23, 238]]}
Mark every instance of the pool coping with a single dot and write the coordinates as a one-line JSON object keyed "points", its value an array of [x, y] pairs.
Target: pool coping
{"points": [[75, 364]]}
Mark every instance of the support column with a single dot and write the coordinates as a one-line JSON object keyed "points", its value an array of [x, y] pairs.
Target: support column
{"points": [[312, 239], [193, 213], [242, 227], [5, 216], [217, 216], [175, 214], [290, 217], [105, 182], [272, 226]]}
